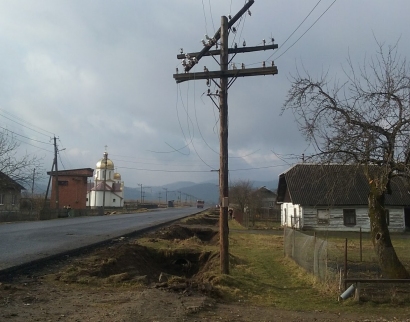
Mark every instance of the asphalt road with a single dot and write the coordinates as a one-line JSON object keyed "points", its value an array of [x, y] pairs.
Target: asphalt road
{"points": [[21, 243]]}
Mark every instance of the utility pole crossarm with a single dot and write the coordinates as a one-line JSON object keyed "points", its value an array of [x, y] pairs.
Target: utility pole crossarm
{"points": [[229, 73], [238, 50], [217, 35]]}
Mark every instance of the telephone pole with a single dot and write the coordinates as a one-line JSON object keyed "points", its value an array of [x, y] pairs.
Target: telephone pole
{"points": [[56, 167], [224, 74], [166, 196], [105, 180]]}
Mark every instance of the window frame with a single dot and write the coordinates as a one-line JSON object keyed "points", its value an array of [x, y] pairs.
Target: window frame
{"points": [[348, 215], [323, 220]]}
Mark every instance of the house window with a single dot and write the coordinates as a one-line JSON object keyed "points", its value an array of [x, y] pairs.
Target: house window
{"points": [[387, 213], [323, 216], [285, 215], [1, 199], [63, 183], [349, 217], [113, 200], [13, 199]]}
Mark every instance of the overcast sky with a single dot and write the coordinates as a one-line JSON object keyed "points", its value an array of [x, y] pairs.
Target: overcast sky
{"points": [[98, 73]]}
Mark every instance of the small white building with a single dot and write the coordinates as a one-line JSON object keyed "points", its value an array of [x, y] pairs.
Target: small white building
{"points": [[107, 189]]}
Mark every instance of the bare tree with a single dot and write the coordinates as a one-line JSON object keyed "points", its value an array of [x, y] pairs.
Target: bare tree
{"points": [[240, 193], [16, 166], [364, 121]]}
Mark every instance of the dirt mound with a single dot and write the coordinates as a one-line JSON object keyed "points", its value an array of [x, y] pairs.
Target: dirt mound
{"points": [[116, 263], [134, 263], [182, 268], [175, 232], [206, 219], [178, 232]]}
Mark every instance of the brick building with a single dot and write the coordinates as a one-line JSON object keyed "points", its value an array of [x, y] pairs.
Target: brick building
{"points": [[72, 188]]}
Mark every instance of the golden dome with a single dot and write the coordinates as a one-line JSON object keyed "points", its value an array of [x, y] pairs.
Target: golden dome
{"points": [[117, 176], [101, 164]]}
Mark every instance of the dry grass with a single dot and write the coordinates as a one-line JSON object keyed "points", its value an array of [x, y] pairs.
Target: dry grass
{"points": [[259, 273]]}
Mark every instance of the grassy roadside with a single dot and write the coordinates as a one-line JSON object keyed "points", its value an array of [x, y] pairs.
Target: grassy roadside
{"points": [[260, 275]]}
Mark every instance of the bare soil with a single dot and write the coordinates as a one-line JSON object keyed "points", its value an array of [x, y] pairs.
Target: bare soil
{"points": [[128, 281]]}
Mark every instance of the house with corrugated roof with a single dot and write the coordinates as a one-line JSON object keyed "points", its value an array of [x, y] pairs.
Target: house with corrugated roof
{"points": [[335, 197]]}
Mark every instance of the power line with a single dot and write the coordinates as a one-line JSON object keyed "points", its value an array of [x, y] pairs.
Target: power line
{"points": [[201, 171], [167, 171], [206, 24], [65, 153], [210, 11], [48, 143], [61, 161], [283, 44], [305, 31], [24, 122]]}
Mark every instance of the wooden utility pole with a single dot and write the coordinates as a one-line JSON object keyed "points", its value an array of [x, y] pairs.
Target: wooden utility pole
{"points": [[32, 183], [56, 167], [105, 180], [223, 151], [166, 196], [190, 60]]}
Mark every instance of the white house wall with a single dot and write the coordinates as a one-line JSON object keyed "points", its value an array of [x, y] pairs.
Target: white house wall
{"points": [[310, 219], [291, 215], [96, 199]]}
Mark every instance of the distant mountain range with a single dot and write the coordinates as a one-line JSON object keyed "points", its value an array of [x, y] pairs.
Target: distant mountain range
{"points": [[186, 190]]}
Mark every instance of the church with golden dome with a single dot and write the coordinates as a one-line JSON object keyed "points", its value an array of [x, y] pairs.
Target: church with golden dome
{"points": [[107, 190]]}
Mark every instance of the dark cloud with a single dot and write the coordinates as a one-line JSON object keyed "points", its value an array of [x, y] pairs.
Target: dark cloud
{"points": [[99, 73]]}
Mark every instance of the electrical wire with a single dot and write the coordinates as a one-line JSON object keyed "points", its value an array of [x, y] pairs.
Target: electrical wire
{"points": [[166, 171], [64, 150], [21, 120], [61, 161], [193, 145], [267, 60], [212, 18], [206, 24], [297, 28], [304, 32], [48, 143], [201, 171]]}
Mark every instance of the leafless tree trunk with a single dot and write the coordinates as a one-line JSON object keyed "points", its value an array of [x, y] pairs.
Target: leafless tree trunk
{"points": [[364, 120]]}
